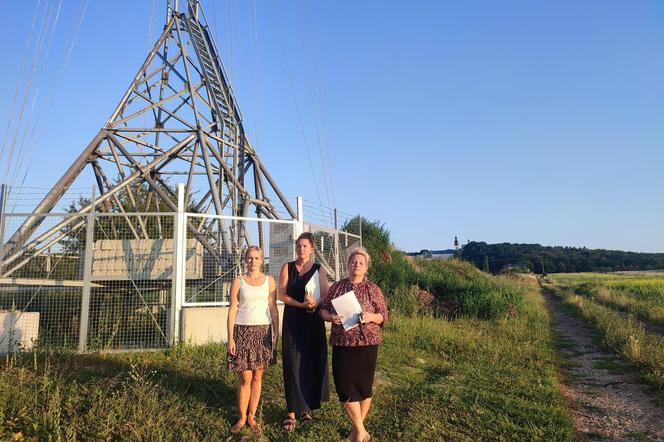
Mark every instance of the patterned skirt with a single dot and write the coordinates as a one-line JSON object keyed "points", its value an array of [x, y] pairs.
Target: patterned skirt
{"points": [[253, 348]]}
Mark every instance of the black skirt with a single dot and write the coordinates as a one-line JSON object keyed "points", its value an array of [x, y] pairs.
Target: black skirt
{"points": [[353, 369]]}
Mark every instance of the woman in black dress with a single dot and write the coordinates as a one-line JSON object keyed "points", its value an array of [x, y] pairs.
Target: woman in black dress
{"points": [[303, 342]]}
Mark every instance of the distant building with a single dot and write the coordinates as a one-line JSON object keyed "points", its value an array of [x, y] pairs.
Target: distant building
{"points": [[432, 254]]}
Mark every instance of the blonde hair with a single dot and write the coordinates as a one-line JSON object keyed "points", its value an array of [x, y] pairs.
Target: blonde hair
{"points": [[359, 251], [253, 249]]}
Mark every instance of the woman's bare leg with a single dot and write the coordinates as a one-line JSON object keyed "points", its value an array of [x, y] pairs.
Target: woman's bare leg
{"points": [[365, 405], [256, 382], [358, 433], [243, 395]]}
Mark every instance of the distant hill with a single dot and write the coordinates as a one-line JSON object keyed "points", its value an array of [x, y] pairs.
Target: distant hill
{"points": [[557, 259]]}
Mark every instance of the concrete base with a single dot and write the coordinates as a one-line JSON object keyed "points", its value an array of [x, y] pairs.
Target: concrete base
{"points": [[204, 325], [18, 330]]}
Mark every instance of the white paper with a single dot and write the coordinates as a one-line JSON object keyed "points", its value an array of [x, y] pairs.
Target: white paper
{"points": [[348, 307], [313, 286]]}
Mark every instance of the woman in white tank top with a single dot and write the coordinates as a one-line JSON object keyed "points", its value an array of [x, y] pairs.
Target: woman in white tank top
{"points": [[253, 327]]}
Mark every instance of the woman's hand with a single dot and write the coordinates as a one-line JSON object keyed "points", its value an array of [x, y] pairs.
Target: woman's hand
{"points": [[336, 319], [366, 317], [275, 337], [309, 301], [231, 346]]}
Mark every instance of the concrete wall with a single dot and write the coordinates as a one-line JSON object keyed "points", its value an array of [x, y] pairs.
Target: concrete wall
{"points": [[203, 325], [18, 330]]}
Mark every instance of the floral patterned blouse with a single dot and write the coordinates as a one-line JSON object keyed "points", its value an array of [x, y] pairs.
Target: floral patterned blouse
{"points": [[371, 299]]}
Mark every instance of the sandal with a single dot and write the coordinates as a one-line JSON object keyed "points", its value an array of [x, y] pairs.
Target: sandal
{"points": [[288, 424], [237, 427], [306, 417], [255, 428]]}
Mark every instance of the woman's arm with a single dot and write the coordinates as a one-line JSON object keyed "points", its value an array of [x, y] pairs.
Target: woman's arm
{"points": [[376, 318], [232, 313], [379, 315], [330, 317], [326, 308], [274, 312], [324, 286], [283, 296]]}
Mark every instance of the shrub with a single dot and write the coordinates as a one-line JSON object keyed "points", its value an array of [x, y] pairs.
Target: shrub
{"points": [[476, 293], [453, 281]]}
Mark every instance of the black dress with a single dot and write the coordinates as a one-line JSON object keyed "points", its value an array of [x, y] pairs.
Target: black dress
{"points": [[303, 349]]}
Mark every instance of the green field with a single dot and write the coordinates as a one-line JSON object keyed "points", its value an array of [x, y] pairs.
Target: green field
{"points": [[437, 379], [620, 306], [641, 294]]}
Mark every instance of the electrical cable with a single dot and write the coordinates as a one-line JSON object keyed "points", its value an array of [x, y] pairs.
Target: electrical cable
{"points": [[28, 135], [65, 63], [18, 80], [27, 92], [313, 104], [297, 107]]}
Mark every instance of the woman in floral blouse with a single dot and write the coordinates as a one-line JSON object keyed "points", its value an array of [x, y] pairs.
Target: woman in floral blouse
{"points": [[354, 351]]}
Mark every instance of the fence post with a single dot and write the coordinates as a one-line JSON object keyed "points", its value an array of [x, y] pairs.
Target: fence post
{"points": [[299, 225], [359, 221], [179, 259], [3, 209], [337, 268], [87, 275]]}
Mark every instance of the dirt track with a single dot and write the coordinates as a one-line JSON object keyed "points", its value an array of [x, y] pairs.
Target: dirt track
{"points": [[606, 399]]}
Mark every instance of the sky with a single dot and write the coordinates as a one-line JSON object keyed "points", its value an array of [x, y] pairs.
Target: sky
{"points": [[513, 121]]}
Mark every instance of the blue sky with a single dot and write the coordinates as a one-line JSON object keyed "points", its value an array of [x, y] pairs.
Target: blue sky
{"points": [[514, 121]]}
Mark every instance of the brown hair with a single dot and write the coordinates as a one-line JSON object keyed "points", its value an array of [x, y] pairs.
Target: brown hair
{"points": [[309, 237]]}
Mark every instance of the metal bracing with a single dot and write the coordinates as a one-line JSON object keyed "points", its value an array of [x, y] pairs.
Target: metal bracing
{"points": [[178, 117]]}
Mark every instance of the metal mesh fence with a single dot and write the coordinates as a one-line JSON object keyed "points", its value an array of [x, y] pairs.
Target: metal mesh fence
{"points": [[109, 281], [222, 241], [41, 286], [131, 271], [347, 242], [332, 248]]}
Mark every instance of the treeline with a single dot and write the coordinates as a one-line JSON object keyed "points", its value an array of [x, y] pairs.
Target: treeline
{"points": [[541, 259]]}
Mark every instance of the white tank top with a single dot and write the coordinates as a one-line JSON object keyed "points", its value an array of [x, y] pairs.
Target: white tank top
{"points": [[254, 308]]}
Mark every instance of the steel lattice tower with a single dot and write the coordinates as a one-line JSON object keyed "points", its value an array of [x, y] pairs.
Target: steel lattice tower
{"points": [[178, 117]]}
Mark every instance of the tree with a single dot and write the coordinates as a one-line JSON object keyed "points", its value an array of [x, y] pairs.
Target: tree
{"points": [[375, 236]]}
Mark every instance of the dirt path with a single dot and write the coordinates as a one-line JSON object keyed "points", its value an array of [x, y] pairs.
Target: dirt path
{"points": [[606, 399]]}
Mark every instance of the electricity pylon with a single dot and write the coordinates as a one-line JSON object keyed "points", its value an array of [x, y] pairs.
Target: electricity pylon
{"points": [[178, 117]]}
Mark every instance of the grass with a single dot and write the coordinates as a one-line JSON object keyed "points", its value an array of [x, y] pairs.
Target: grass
{"points": [[641, 294], [467, 379], [625, 336], [459, 283]]}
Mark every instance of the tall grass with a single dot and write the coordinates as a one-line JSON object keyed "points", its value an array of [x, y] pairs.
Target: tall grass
{"points": [[473, 293], [467, 379], [624, 335], [478, 294], [471, 379]]}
